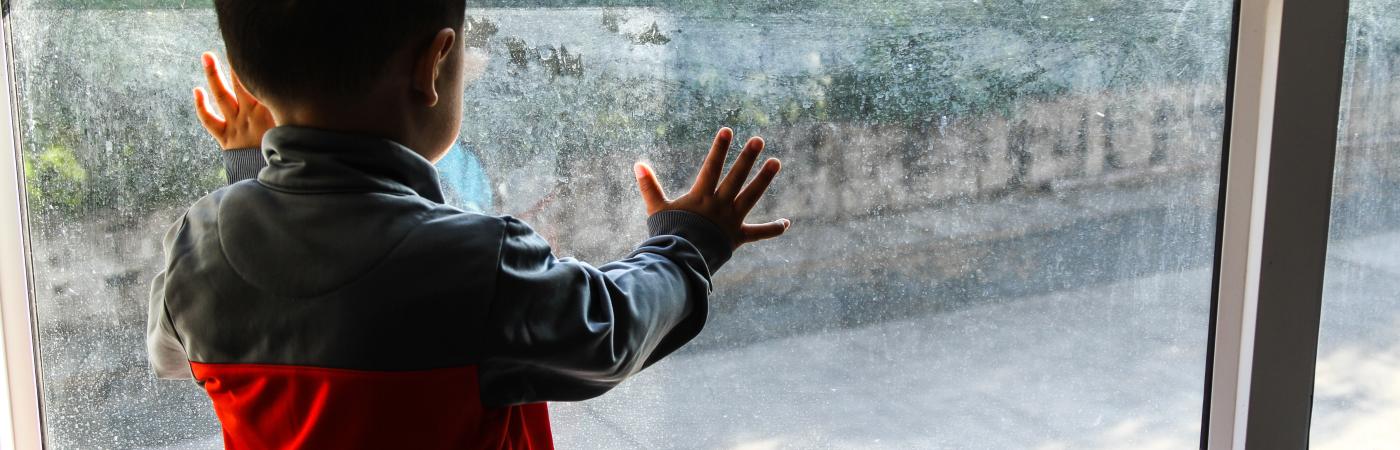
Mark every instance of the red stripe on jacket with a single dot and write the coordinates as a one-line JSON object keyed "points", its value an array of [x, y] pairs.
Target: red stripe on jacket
{"points": [[297, 407]]}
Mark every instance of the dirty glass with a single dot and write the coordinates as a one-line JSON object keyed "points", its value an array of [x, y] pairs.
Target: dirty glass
{"points": [[1356, 397], [1004, 210]]}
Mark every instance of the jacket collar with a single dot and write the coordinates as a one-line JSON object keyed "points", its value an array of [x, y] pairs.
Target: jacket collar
{"points": [[319, 161]]}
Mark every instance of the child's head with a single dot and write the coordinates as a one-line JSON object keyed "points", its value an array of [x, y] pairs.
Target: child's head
{"points": [[388, 68]]}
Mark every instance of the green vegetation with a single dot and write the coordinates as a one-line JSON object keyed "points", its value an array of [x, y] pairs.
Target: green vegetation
{"points": [[56, 180]]}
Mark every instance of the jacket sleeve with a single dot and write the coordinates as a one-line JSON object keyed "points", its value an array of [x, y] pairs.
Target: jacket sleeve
{"points": [[562, 330], [163, 347], [243, 164]]}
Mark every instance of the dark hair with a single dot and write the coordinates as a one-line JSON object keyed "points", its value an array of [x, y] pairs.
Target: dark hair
{"points": [[299, 49]]}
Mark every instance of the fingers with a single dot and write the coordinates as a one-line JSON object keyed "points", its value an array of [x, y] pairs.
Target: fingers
{"points": [[708, 177], [740, 172], [754, 191], [212, 123], [652, 194], [245, 98], [224, 98], [751, 232]]}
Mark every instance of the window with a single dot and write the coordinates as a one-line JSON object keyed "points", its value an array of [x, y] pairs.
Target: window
{"points": [[1357, 402], [1005, 214], [104, 173], [1005, 211]]}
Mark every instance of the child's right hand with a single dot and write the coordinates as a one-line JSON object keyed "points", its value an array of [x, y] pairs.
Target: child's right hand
{"points": [[727, 202], [242, 119]]}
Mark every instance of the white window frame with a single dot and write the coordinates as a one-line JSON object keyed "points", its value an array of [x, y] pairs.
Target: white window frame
{"points": [[21, 425], [1277, 193], [1286, 72]]}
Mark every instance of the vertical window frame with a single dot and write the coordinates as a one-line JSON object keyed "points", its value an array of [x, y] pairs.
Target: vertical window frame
{"points": [[1277, 203], [21, 420]]}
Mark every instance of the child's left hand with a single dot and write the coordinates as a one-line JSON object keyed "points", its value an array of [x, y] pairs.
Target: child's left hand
{"points": [[242, 119]]}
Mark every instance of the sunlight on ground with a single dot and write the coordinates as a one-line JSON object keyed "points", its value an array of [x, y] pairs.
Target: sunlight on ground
{"points": [[1134, 433], [765, 444], [1367, 386]]}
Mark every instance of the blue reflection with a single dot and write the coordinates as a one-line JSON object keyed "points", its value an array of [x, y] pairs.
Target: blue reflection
{"points": [[464, 180]]}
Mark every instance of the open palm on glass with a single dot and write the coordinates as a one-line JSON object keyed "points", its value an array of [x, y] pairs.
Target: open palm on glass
{"points": [[725, 202], [241, 119]]}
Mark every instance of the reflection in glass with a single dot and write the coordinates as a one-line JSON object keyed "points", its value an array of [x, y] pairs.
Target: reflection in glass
{"points": [[1004, 210]]}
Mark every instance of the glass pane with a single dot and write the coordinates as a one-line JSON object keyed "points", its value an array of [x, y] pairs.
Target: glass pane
{"points": [[1003, 210], [1356, 398], [110, 158]]}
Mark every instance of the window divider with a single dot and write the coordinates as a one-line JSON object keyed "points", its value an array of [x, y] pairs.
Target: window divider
{"points": [[1288, 81]]}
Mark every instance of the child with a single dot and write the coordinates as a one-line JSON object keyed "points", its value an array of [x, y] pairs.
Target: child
{"points": [[330, 300]]}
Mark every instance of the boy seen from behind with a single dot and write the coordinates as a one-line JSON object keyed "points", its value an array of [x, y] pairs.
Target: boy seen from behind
{"points": [[328, 299]]}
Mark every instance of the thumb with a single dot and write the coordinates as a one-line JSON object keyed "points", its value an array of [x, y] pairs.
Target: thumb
{"points": [[652, 194], [758, 232]]}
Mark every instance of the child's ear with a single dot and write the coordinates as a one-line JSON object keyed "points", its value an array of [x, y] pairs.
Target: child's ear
{"points": [[429, 64]]}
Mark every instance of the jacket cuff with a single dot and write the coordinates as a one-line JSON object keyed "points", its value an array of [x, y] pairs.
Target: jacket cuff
{"points": [[243, 164], [707, 237]]}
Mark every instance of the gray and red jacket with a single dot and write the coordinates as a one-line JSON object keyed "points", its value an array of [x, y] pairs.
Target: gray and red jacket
{"points": [[336, 302]]}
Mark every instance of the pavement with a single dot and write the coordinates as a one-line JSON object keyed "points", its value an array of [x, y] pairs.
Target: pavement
{"points": [[1113, 366]]}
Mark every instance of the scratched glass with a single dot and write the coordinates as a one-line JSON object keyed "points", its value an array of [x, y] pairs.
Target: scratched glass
{"points": [[1356, 398], [1004, 211]]}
